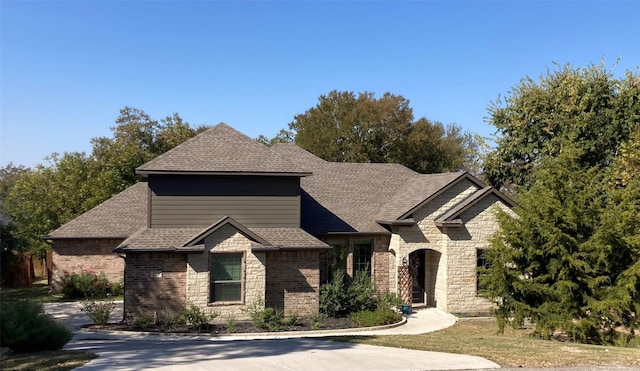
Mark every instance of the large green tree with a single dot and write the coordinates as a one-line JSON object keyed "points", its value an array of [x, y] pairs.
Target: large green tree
{"points": [[346, 127], [39, 200], [584, 107], [568, 258]]}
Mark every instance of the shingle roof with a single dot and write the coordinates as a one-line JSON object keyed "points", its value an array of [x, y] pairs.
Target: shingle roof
{"points": [[158, 239], [220, 149], [345, 197], [181, 239], [414, 192], [118, 217], [453, 213], [289, 238]]}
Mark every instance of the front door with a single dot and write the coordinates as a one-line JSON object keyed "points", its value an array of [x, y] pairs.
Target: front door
{"points": [[417, 264]]}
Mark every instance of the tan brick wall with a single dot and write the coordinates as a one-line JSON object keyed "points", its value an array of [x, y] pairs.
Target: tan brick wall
{"points": [[227, 239], [74, 256], [293, 281], [155, 282]]}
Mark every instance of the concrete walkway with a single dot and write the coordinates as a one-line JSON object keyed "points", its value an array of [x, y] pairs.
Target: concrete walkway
{"points": [[271, 351]]}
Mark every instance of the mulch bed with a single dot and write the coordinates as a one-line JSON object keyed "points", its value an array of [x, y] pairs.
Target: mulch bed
{"points": [[304, 324]]}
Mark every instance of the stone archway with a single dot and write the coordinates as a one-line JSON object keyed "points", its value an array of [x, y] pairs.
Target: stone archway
{"points": [[423, 267]]}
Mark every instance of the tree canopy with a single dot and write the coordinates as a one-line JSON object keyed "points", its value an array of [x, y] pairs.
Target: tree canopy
{"points": [[575, 107], [345, 127], [36, 201], [568, 259]]}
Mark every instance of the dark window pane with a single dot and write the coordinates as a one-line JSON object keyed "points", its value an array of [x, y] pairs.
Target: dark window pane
{"points": [[226, 277], [362, 252]]}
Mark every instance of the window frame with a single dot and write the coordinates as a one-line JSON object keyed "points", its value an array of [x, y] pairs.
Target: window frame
{"points": [[213, 283], [362, 262], [481, 262]]}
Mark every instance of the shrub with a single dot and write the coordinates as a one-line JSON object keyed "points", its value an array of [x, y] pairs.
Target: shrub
{"points": [[337, 299], [88, 284], [170, 319], [333, 295], [291, 321], [390, 300], [316, 321], [361, 294], [143, 320], [231, 325], [98, 310], [197, 318], [27, 328], [378, 317]]}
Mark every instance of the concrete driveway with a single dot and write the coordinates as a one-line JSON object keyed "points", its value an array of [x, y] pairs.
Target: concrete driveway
{"points": [[264, 352]]}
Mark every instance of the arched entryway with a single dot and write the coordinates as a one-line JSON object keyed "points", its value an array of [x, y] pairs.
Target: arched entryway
{"points": [[423, 265]]}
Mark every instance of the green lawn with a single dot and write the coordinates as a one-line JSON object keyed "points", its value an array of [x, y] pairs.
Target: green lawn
{"points": [[38, 292], [516, 348]]}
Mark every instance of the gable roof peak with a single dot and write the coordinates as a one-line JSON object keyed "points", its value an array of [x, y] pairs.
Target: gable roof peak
{"points": [[221, 149]]}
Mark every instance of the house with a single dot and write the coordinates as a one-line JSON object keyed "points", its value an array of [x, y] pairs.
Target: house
{"points": [[224, 222]]}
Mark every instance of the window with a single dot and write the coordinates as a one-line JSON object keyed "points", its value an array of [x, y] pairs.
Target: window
{"points": [[362, 252], [481, 264], [226, 277], [336, 258]]}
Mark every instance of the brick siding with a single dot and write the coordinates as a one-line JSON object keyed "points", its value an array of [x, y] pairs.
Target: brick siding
{"points": [[155, 282], [293, 281], [76, 255]]}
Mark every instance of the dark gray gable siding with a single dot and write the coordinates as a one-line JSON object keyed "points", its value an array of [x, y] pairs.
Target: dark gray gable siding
{"points": [[201, 211], [199, 201]]}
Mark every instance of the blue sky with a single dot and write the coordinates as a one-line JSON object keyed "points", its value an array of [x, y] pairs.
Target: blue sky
{"points": [[66, 68]]}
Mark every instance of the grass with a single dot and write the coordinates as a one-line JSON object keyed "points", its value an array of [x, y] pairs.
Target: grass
{"points": [[44, 361], [515, 348], [39, 292]]}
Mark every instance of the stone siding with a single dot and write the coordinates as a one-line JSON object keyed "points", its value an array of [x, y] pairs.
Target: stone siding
{"points": [[479, 225], [450, 270], [426, 235], [293, 282], [228, 240], [76, 255], [155, 282]]}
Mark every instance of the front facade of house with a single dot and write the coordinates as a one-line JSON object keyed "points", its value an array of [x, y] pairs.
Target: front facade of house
{"points": [[224, 223]]}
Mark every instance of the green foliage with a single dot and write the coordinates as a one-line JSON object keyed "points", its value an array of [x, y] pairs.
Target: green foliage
{"points": [[337, 299], [39, 200], [170, 318], [333, 295], [569, 258], [25, 327], [231, 325], [316, 321], [143, 320], [379, 317], [98, 310], [585, 108], [89, 284], [268, 318], [389, 300], [344, 127], [197, 318]]}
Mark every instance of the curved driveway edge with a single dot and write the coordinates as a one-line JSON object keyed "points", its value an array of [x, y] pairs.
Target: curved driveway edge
{"points": [[264, 351]]}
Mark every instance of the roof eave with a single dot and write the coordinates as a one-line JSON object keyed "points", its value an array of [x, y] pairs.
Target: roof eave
{"points": [[50, 238], [398, 222], [146, 173], [449, 223]]}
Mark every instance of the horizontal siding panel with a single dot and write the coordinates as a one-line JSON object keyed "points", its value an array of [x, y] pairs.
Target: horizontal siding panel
{"points": [[199, 211]]}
